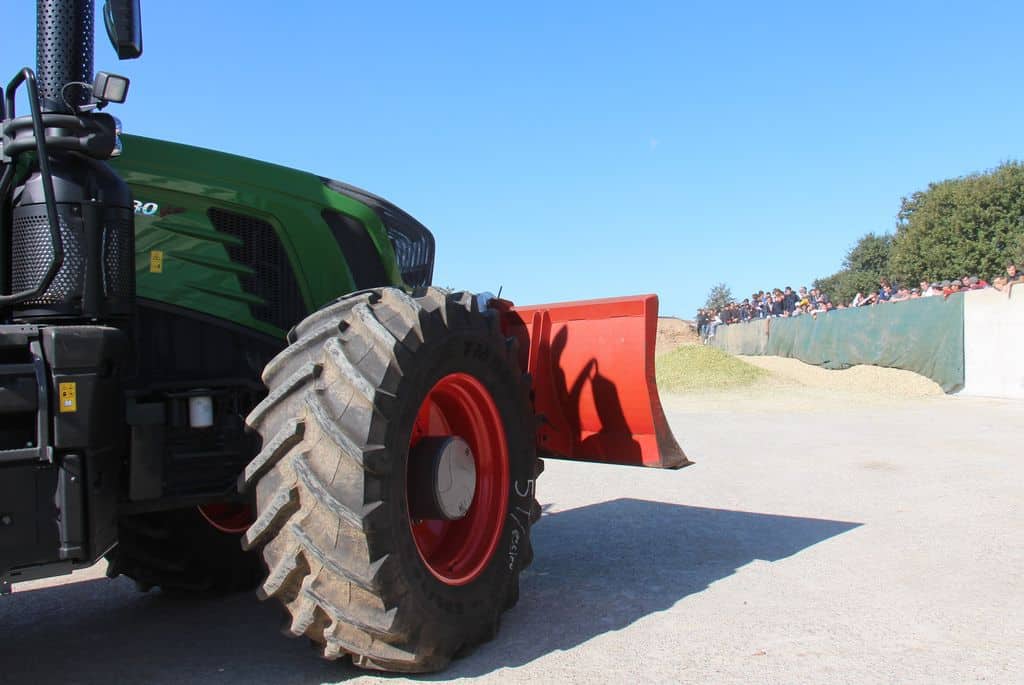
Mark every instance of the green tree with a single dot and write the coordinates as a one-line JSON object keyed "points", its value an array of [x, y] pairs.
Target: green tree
{"points": [[870, 255], [969, 225], [865, 264], [718, 297]]}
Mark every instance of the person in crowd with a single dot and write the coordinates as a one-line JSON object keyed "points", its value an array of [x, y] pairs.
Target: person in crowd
{"points": [[975, 283], [763, 304], [1004, 285], [789, 301], [776, 302], [716, 321], [861, 300], [745, 310], [901, 295], [702, 324]]}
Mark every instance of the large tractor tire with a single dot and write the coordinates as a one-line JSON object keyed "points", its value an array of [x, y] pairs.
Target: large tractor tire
{"points": [[388, 415], [183, 553]]}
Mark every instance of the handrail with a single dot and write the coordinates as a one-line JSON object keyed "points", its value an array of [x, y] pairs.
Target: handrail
{"points": [[29, 78]]}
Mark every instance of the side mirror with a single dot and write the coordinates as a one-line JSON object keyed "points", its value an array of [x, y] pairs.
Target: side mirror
{"points": [[123, 19]]}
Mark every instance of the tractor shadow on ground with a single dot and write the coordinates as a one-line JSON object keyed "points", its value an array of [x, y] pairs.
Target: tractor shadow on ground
{"points": [[602, 567], [105, 631], [598, 568]]}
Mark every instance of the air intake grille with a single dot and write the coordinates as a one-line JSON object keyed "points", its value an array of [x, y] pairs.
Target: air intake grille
{"points": [[31, 253], [118, 254], [274, 281]]}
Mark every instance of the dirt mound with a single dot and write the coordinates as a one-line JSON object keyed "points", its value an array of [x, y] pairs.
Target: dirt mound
{"points": [[673, 332], [870, 380]]}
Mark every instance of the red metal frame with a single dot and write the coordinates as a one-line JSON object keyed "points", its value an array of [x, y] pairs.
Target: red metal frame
{"points": [[592, 364], [228, 517]]}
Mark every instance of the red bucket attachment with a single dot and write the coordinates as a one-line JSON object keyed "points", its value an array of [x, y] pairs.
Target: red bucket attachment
{"points": [[592, 364]]}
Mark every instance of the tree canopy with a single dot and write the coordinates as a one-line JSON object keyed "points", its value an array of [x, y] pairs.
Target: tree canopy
{"points": [[865, 264], [966, 226], [718, 297], [971, 225]]}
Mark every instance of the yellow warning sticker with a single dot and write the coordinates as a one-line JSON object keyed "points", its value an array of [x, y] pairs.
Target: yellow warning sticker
{"points": [[68, 397], [156, 261]]}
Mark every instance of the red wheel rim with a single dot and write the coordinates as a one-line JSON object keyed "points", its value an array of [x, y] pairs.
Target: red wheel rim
{"points": [[457, 552], [228, 517]]}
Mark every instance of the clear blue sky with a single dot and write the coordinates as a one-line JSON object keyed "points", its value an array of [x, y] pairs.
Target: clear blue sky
{"points": [[569, 150]]}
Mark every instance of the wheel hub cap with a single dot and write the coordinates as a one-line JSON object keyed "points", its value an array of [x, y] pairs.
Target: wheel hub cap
{"points": [[443, 478]]}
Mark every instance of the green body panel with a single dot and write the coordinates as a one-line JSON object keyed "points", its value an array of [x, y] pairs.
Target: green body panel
{"points": [[182, 260]]}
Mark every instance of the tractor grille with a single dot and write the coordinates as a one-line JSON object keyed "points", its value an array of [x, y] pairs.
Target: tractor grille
{"points": [[274, 280], [412, 242], [415, 258]]}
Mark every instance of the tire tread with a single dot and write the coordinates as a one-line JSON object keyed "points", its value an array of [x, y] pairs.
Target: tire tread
{"points": [[323, 408]]}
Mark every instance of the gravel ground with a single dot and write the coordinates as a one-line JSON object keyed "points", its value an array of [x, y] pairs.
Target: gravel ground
{"points": [[820, 538]]}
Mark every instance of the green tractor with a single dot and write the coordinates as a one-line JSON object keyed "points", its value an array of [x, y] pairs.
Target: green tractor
{"points": [[219, 374]]}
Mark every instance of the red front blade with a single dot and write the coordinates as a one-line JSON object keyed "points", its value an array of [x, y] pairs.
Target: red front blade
{"points": [[592, 364]]}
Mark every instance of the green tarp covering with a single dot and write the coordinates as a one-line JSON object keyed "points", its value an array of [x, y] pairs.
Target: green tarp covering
{"points": [[744, 338], [925, 335]]}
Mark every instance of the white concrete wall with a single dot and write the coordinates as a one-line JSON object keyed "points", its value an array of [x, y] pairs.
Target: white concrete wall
{"points": [[994, 343]]}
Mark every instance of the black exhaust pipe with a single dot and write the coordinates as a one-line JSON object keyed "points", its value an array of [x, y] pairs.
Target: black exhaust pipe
{"points": [[65, 32]]}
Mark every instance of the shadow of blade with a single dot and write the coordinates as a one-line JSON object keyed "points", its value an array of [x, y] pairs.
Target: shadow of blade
{"points": [[603, 567]]}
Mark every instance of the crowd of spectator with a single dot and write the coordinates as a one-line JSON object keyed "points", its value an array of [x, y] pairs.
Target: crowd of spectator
{"points": [[786, 302]]}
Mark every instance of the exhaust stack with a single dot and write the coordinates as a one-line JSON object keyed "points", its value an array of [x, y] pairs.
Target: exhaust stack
{"points": [[65, 33]]}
